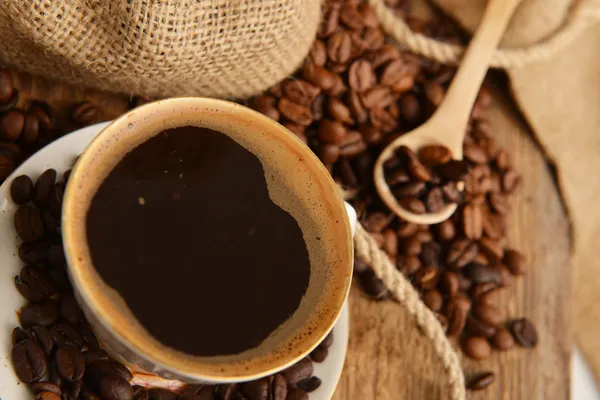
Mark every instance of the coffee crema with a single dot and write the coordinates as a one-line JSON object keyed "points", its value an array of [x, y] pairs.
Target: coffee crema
{"points": [[183, 228]]}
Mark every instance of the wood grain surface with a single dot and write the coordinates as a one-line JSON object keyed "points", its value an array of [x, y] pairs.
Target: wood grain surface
{"points": [[389, 359]]}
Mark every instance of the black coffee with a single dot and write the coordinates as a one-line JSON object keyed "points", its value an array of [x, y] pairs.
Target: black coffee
{"points": [[183, 228]]}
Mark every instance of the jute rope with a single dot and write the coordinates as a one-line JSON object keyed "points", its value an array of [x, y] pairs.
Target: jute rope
{"points": [[583, 14], [366, 249]]}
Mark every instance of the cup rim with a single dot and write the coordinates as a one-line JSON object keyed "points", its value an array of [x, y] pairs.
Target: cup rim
{"points": [[104, 319]]}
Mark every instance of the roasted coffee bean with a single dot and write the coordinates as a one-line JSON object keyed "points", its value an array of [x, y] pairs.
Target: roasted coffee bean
{"points": [[11, 125], [382, 120], [300, 92], [390, 244], [108, 386], [310, 384], [488, 313], [295, 112], [451, 193], [301, 370], [449, 282], [6, 86], [413, 205], [427, 277], [34, 284], [409, 264], [318, 53], [332, 132], [339, 47], [337, 110], [141, 393], [40, 387], [453, 170], [21, 189], [475, 154], [319, 76], [377, 97], [296, 394], [411, 247], [510, 181], [472, 220], [55, 201], [434, 154], [85, 113], [434, 200], [476, 347], [31, 129], [93, 355], [461, 252], [499, 203], [29, 224], [69, 310], [29, 361], [42, 187], [72, 389], [514, 261], [56, 255], [433, 299], [43, 314], [265, 104], [90, 340], [47, 396], [60, 279], [19, 334], [319, 354], [193, 392], [65, 335], [477, 327], [352, 145], [329, 153], [415, 167], [42, 337], [479, 273], [491, 248], [361, 76], [162, 394], [54, 376], [430, 252], [481, 381], [456, 316], [412, 189], [70, 363], [524, 332], [503, 340], [373, 286], [446, 230], [43, 112], [258, 390]]}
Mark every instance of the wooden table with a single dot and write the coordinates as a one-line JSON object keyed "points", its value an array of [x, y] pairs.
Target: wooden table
{"points": [[387, 357]]}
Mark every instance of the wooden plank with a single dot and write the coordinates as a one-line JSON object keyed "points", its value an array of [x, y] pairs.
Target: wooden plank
{"points": [[389, 359]]}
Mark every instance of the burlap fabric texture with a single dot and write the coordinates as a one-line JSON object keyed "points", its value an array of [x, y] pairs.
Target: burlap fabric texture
{"points": [[152, 48]]}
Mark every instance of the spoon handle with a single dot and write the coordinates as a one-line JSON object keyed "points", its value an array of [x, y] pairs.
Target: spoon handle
{"points": [[463, 90]]}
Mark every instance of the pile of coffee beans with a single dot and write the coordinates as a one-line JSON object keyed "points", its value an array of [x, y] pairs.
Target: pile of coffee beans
{"points": [[354, 94], [427, 181], [55, 351]]}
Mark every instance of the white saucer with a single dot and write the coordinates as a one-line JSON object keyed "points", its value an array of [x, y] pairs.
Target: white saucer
{"points": [[60, 156]]}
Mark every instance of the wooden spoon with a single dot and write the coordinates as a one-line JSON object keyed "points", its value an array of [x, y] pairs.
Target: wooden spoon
{"points": [[448, 125]]}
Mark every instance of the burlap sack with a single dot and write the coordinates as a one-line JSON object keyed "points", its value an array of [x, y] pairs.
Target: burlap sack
{"points": [[217, 48], [553, 62]]}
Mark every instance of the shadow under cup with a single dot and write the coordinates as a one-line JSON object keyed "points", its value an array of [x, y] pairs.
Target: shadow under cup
{"points": [[300, 185]]}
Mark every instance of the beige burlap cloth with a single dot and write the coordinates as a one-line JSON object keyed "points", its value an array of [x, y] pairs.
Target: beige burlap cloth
{"points": [[551, 52], [152, 48]]}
